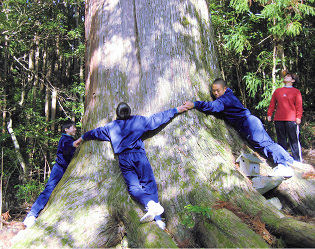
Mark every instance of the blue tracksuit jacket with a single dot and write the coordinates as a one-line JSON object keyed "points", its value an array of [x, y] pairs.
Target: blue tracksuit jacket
{"points": [[65, 150], [65, 153], [249, 126], [230, 106], [125, 137]]}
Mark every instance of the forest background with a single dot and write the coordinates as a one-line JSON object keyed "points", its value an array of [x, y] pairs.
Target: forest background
{"points": [[42, 75]]}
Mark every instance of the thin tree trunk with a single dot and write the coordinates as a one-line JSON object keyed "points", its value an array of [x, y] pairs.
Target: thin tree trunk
{"points": [[44, 69], [274, 60], [31, 83], [4, 112], [220, 61], [47, 93], [48, 71], [53, 108], [36, 69], [240, 87], [56, 80], [283, 57], [5, 69], [17, 148], [23, 92], [274, 65], [31, 67]]}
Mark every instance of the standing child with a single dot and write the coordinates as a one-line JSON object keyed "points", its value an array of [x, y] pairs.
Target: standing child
{"points": [[65, 153], [125, 136], [287, 104]]}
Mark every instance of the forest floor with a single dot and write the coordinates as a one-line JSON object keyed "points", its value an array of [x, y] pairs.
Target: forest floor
{"points": [[12, 222]]}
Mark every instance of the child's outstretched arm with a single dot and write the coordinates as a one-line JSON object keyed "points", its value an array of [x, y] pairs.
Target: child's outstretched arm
{"points": [[77, 142], [189, 105], [156, 120], [100, 133], [205, 106], [182, 108]]}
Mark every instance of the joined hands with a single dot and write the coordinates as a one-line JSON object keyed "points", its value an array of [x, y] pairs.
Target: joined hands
{"points": [[185, 107]]}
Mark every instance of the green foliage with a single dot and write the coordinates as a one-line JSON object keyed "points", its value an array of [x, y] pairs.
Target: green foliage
{"points": [[29, 191], [238, 39], [240, 5], [285, 17], [190, 211], [255, 84], [294, 28], [256, 40], [307, 134], [42, 48]]}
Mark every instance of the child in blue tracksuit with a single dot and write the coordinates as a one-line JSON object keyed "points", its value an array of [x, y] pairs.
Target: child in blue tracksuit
{"points": [[125, 135], [248, 125], [65, 153]]}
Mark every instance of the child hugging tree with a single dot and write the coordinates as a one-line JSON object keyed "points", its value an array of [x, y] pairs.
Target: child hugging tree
{"points": [[125, 136]]}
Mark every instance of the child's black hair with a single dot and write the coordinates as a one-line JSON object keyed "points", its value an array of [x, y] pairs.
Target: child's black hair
{"points": [[220, 82], [123, 111], [66, 125], [293, 75]]}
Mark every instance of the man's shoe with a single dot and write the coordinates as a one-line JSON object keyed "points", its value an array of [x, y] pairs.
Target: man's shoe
{"points": [[161, 224], [284, 171], [29, 221], [154, 209]]}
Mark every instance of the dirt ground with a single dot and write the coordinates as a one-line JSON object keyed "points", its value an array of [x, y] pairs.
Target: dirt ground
{"points": [[12, 223]]}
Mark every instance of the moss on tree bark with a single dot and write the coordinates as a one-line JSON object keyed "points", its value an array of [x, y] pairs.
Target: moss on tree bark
{"points": [[155, 55]]}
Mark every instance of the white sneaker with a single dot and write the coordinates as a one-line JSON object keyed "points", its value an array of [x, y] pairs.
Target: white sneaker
{"points": [[161, 224], [297, 164], [154, 209], [281, 170], [29, 221]]}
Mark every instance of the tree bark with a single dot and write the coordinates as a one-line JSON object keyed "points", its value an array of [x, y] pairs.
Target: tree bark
{"points": [[31, 72], [55, 73], [53, 108], [4, 111], [239, 83], [17, 148], [36, 67], [274, 65], [4, 79], [155, 55]]}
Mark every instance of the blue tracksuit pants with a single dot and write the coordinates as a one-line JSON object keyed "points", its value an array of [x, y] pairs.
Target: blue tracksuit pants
{"points": [[139, 177], [55, 176], [253, 130]]}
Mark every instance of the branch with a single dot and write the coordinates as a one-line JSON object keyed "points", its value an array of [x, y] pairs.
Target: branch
{"points": [[263, 40]]}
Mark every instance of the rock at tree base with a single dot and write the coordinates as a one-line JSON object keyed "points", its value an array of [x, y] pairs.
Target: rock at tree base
{"points": [[265, 183], [275, 202]]}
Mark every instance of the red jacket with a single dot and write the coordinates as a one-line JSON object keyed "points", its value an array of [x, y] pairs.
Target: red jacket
{"points": [[288, 104]]}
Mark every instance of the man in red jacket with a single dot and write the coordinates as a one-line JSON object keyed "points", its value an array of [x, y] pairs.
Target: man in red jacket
{"points": [[287, 104]]}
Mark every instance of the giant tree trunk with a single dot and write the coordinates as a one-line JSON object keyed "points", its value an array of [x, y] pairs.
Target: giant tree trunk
{"points": [[154, 55]]}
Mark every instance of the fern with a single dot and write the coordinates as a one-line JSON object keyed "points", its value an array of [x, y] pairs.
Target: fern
{"points": [[306, 10], [294, 28], [238, 40], [240, 6]]}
